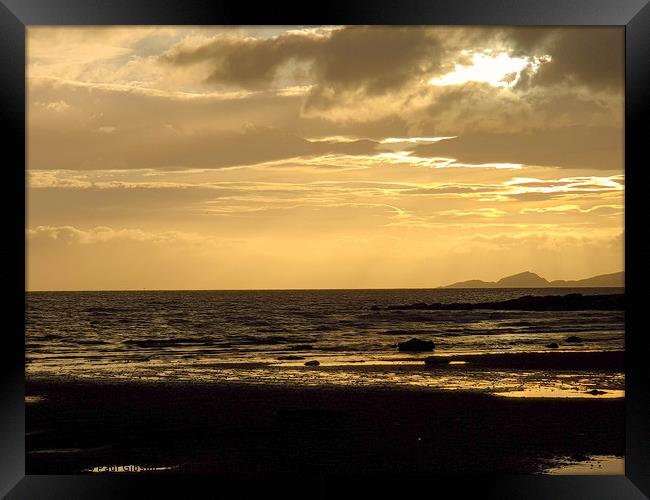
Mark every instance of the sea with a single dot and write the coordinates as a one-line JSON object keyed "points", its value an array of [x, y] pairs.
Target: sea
{"points": [[266, 337]]}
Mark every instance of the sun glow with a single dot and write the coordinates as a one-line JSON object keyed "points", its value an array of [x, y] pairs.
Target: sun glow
{"points": [[499, 70], [346, 157]]}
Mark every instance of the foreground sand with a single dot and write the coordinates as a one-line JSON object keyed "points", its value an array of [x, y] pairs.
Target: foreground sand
{"points": [[235, 429]]}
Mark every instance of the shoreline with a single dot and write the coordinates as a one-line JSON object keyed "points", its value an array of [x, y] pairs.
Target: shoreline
{"points": [[594, 374], [546, 359]]}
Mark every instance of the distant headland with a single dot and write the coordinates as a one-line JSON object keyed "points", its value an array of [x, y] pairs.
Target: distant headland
{"points": [[532, 280]]}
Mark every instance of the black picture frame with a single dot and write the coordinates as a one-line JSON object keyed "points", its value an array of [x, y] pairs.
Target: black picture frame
{"points": [[16, 15]]}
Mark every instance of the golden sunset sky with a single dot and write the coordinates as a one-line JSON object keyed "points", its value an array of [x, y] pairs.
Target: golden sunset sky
{"points": [[326, 157]]}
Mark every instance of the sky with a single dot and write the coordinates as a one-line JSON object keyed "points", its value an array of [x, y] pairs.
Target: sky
{"points": [[321, 157]]}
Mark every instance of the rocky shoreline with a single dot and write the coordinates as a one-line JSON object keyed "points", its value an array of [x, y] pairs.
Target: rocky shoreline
{"points": [[569, 302]]}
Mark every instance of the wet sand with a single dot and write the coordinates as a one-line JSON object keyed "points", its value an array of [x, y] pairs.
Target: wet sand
{"points": [[243, 429], [552, 360]]}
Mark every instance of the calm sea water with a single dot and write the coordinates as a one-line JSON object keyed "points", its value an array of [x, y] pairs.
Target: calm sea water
{"points": [[239, 335]]}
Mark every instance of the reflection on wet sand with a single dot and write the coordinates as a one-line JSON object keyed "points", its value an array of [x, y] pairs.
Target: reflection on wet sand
{"points": [[609, 465], [33, 399], [555, 392], [502, 374], [126, 469]]}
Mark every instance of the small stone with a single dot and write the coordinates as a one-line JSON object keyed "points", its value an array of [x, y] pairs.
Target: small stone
{"points": [[573, 339], [415, 345], [436, 360]]}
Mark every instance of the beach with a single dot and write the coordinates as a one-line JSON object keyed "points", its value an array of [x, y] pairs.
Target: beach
{"points": [[320, 382], [242, 429], [271, 250]]}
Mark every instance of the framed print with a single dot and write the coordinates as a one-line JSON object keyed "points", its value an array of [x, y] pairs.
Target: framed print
{"points": [[375, 242]]}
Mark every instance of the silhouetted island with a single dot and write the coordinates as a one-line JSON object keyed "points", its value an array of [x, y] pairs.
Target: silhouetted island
{"points": [[532, 280], [570, 302]]}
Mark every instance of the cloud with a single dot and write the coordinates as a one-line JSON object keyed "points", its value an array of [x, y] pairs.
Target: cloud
{"points": [[546, 240], [593, 57], [344, 67], [57, 106], [589, 56], [150, 193], [605, 210], [102, 234], [215, 152], [333, 61], [568, 184], [113, 126], [460, 189], [480, 212], [168, 147], [598, 148]]}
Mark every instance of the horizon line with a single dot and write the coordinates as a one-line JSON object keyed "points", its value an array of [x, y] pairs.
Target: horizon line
{"points": [[446, 287]]}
